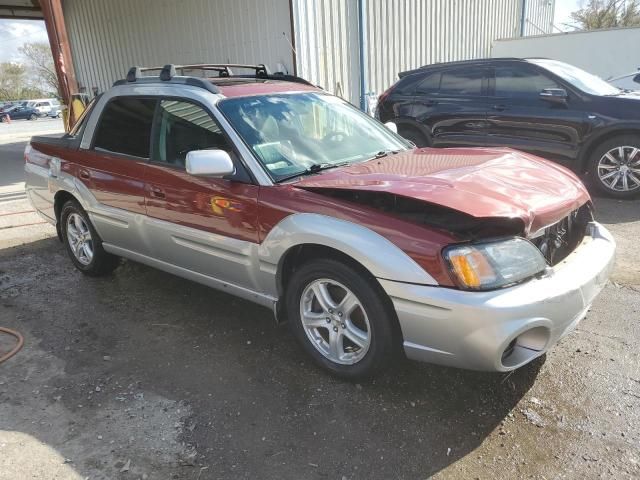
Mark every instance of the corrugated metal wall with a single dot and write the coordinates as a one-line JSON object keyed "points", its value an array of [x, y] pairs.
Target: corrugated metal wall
{"points": [[327, 44], [108, 37], [406, 34], [538, 17]]}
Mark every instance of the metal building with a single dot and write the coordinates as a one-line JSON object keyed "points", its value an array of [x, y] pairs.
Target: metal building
{"points": [[349, 47]]}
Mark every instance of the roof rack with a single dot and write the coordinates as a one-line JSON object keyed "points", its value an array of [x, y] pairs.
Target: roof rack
{"points": [[224, 70]]}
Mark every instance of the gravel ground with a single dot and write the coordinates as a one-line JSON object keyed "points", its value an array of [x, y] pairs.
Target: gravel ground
{"points": [[144, 375]]}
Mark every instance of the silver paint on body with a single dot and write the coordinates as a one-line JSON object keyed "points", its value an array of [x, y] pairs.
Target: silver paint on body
{"points": [[472, 329], [212, 163]]}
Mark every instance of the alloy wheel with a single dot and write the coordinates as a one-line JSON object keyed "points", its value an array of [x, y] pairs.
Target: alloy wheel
{"points": [[335, 321], [619, 169], [79, 237]]}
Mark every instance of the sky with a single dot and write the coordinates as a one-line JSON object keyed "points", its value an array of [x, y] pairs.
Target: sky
{"points": [[563, 10], [13, 33]]}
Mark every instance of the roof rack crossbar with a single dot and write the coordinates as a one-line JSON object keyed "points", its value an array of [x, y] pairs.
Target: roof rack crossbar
{"points": [[168, 72]]}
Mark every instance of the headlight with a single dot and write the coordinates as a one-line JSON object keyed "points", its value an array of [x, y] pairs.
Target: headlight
{"points": [[492, 265]]}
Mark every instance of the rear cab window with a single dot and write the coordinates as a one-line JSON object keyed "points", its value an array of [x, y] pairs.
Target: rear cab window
{"points": [[125, 127]]}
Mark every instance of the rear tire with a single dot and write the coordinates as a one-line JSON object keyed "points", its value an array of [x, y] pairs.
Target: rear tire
{"points": [[340, 318], [414, 135], [83, 243], [33, 116], [614, 167]]}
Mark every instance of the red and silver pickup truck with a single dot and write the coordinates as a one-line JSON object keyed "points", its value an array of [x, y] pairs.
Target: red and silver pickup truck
{"points": [[269, 188]]}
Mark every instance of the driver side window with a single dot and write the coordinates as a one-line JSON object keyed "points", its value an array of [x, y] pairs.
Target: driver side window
{"points": [[522, 83], [183, 127]]}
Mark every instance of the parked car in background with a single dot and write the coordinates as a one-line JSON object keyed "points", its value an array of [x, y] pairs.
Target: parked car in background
{"points": [[19, 113], [56, 111], [266, 187], [43, 107], [630, 81], [540, 106]]}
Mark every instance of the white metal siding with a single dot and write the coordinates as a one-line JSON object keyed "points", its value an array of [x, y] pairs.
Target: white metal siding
{"points": [[538, 17], [327, 46], [401, 35], [406, 34], [601, 52], [108, 37]]}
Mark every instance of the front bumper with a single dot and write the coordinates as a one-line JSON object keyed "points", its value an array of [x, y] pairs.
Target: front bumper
{"points": [[504, 329]]}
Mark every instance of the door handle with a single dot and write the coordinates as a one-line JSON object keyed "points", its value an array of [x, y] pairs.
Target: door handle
{"points": [[430, 103], [84, 175], [157, 192], [500, 108]]}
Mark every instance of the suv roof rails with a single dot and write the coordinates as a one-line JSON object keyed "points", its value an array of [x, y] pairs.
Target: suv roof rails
{"points": [[439, 65], [224, 70]]}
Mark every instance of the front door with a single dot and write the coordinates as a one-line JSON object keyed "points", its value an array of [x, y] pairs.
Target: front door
{"points": [[206, 225], [520, 118]]}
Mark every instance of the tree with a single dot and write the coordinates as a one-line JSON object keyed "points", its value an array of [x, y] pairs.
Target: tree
{"points": [[608, 14], [12, 80], [15, 84], [39, 58]]}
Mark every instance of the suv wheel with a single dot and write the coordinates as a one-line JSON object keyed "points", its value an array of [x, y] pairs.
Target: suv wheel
{"points": [[615, 167], [340, 318], [82, 242], [33, 116]]}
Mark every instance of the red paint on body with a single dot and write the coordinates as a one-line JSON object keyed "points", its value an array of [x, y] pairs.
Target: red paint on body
{"points": [[262, 88], [481, 182]]}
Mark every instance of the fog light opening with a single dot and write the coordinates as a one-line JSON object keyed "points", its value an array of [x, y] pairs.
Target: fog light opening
{"points": [[525, 347], [509, 350]]}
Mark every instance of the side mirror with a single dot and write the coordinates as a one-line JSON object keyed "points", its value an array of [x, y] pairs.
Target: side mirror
{"points": [[391, 126], [554, 95], [212, 163]]}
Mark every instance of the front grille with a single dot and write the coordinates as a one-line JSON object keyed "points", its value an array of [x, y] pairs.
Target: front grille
{"points": [[557, 241]]}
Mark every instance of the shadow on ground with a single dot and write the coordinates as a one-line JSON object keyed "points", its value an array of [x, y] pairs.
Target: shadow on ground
{"points": [[245, 400]]}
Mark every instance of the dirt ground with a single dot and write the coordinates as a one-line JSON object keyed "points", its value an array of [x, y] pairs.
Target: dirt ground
{"points": [[146, 376]]}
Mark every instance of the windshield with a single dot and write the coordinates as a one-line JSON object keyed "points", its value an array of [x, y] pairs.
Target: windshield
{"points": [[291, 133], [578, 78]]}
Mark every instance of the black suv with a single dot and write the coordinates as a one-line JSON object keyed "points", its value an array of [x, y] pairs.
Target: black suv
{"points": [[545, 107]]}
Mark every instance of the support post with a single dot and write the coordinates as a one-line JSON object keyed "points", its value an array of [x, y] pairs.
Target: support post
{"points": [[523, 17], [362, 44], [59, 42]]}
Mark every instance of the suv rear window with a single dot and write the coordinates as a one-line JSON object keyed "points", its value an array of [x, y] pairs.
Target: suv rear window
{"points": [[125, 127], [461, 82], [453, 82]]}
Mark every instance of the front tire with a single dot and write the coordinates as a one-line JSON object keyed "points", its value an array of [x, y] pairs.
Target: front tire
{"points": [[33, 116], [614, 167], [83, 243], [340, 318]]}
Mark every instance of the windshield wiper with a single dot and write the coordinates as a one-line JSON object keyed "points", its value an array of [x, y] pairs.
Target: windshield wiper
{"points": [[315, 168], [384, 153]]}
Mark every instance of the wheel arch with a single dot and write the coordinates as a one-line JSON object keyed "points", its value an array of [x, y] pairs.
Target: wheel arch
{"points": [[590, 147], [303, 234], [407, 122], [60, 198]]}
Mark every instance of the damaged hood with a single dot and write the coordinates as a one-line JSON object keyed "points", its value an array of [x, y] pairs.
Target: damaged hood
{"points": [[481, 182]]}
